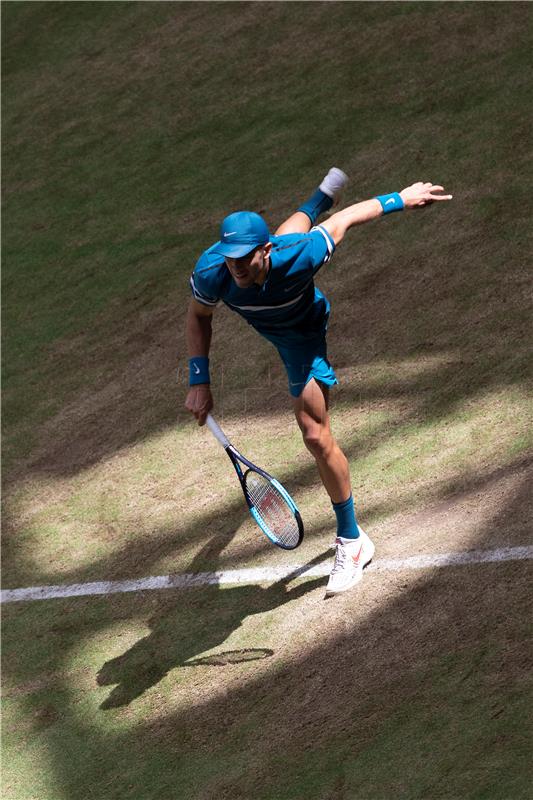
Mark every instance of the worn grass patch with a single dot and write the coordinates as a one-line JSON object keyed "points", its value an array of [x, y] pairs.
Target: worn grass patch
{"points": [[139, 512]]}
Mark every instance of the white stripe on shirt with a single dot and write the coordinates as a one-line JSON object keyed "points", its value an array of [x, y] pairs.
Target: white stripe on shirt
{"points": [[326, 237], [266, 308]]}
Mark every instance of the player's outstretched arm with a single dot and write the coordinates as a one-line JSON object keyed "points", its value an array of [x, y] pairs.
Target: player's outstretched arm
{"points": [[199, 400], [416, 196]]}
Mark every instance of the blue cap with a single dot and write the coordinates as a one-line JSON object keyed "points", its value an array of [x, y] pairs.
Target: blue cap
{"points": [[240, 233]]}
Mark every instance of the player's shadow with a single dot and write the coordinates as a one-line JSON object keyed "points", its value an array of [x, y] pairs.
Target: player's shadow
{"points": [[192, 623]]}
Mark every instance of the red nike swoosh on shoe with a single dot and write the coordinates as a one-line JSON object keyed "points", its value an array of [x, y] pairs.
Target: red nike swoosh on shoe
{"points": [[357, 557]]}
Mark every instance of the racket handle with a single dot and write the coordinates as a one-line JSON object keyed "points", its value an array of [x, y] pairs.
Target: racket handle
{"points": [[217, 432]]}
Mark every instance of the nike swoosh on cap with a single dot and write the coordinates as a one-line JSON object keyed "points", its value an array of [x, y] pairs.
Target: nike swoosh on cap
{"points": [[230, 234]]}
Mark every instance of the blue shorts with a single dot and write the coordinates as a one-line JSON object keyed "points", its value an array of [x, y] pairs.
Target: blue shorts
{"points": [[304, 362]]}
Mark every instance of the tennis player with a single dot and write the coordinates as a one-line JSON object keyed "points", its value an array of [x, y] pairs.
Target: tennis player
{"points": [[269, 281]]}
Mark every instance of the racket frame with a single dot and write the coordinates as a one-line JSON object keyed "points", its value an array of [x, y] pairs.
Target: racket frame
{"points": [[236, 459]]}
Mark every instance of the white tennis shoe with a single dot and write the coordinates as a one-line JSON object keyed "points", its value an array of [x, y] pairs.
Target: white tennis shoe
{"points": [[334, 182], [351, 556]]}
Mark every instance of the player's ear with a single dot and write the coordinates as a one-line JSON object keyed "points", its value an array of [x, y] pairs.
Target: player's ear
{"points": [[267, 248]]}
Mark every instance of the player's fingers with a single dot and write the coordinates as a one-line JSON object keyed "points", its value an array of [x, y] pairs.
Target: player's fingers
{"points": [[204, 411], [202, 416], [441, 197], [190, 406]]}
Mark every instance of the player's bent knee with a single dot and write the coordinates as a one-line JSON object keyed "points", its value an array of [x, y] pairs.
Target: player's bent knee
{"points": [[318, 440]]}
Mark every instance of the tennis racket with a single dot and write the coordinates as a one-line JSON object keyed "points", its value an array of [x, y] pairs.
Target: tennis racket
{"points": [[270, 504]]}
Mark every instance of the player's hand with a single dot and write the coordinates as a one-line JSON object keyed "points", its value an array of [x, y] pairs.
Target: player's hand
{"points": [[422, 194], [199, 401]]}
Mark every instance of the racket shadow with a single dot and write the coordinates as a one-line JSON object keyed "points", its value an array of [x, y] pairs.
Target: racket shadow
{"points": [[231, 657], [187, 624]]}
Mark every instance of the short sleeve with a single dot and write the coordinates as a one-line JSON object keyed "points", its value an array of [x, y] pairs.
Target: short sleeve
{"points": [[206, 279], [202, 291], [322, 247], [302, 254]]}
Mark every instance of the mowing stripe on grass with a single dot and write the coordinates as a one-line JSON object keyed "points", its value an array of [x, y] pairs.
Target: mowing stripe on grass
{"points": [[258, 575]]}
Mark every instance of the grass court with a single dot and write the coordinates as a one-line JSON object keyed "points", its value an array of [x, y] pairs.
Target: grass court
{"points": [[129, 131]]}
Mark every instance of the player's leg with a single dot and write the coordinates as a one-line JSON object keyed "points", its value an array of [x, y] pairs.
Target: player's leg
{"points": [[296, 223], [353, 547], [320, 201], [312, 415]]}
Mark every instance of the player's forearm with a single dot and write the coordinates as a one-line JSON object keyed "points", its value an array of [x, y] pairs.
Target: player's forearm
{"points": [[199, 331], [342, 221], [199, 400], [414, 196]]}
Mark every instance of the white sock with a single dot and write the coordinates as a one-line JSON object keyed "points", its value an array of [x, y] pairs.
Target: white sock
{"points": [[334, 181]]}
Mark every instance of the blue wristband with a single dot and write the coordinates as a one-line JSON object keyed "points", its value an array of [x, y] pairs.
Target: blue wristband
{"points": [[199, 370], [390, 202]]}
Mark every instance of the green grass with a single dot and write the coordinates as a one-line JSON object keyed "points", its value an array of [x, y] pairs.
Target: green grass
{"points": [[130, 129], [447, 718], [112, 188]]}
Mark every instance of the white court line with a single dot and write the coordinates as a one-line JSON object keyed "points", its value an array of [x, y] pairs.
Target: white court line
{"points": [[258, 575]]}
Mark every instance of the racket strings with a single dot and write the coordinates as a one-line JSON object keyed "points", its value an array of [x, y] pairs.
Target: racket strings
{"points": [[273, 509]]}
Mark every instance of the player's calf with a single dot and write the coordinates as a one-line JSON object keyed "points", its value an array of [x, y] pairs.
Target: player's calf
{"points": [[326, 195]]}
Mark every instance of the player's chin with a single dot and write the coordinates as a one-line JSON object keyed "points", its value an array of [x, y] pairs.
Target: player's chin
{"points": [[243, 281]]}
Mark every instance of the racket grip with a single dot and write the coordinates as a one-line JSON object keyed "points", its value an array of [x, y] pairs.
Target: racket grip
{"points": [[217, 431]]}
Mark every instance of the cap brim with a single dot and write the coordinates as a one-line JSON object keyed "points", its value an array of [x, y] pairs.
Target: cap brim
{"points": [[233, 250]]}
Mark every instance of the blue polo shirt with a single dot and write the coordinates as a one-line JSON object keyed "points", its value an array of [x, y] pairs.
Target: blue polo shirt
{"points": [[288, 308]]}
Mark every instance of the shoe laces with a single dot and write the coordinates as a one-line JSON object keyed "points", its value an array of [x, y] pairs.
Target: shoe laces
{"points": [[341, 554]]}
